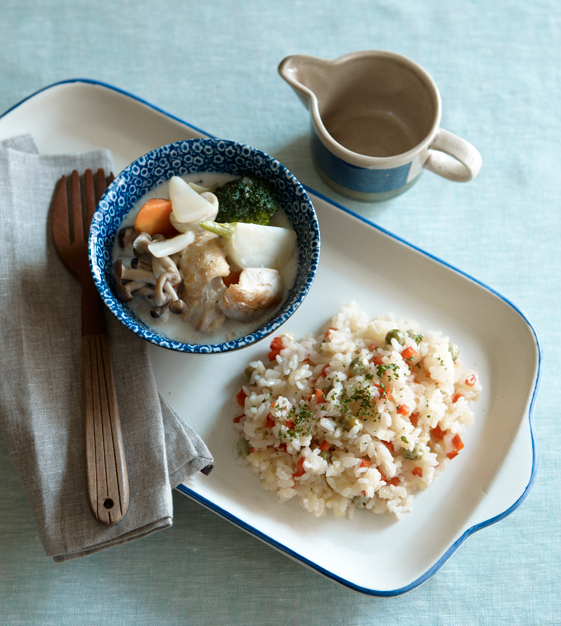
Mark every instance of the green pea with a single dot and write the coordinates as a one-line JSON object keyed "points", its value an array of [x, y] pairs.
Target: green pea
{"points": [[360, 501], [325, 455], [413, 455], [243, 448], [454, 351], [358, 366], [351, 421], [396, 334]]}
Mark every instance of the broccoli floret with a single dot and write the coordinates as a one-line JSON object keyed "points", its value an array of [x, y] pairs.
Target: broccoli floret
{"points": [[246, 199]]}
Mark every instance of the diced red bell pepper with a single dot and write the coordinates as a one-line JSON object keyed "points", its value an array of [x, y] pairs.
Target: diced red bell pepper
{"points": [[403, 409], [414, 418], [378, 360], [417, 471], [365, 463], [237, 419], [270, 422], [456, 398], [452, 454], [394, 481], [290, 425], [324, 445]]}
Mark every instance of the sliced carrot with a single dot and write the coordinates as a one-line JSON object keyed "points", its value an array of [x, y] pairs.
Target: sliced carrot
{"points": [[403, 409], [153, 218], [414, 418], [452, 454], [378, 360], [231, 279], [394, 481], [270, 422], [456, 398], [282, 446], [417, 471], [242, 395], [324, 445], [381, 474], [289, 425], [365, 463], [237, 419], [409, 353]]}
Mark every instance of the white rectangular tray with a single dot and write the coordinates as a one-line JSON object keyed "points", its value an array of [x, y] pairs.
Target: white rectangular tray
{"points": [[375, 555]]}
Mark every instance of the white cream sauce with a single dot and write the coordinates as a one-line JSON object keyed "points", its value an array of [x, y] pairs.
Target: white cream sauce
{"points": [[178, 327]]}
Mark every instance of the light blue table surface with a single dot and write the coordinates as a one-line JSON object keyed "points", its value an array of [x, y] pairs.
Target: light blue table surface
{"points": [[214, 64]]}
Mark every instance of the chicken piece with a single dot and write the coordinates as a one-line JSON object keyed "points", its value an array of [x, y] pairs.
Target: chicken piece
{"points": [[258, 289], [202, 261], [202, 265], [206, 315]]}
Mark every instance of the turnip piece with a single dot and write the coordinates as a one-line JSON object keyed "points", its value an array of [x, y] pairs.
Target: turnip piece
{"points": [[254, 245], [193, 226], [187, 204], [198, 188]]}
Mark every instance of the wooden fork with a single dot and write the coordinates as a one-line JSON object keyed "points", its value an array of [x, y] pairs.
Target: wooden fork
{"points": [[106, 470]]}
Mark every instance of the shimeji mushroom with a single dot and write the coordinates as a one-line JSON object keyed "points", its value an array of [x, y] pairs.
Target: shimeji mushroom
{"points": [[167, 277], [137, 278], [125, 236], [140, 245]]}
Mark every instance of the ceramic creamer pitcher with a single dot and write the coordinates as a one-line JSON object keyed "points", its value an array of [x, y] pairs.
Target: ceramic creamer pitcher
{"points": [[375, 123]]}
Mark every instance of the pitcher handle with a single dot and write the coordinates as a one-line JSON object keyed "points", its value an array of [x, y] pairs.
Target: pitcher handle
{"points": [[453, 158]]}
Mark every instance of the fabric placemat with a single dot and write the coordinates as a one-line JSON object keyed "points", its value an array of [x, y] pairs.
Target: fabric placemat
{"points": [[41, 414]]}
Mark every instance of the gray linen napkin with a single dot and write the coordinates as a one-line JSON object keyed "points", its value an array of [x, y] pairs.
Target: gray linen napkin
{"points": [[40, 382]]}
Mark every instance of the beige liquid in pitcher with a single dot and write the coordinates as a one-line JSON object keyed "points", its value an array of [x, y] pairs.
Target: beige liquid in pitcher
{"points": [[373, 133]]}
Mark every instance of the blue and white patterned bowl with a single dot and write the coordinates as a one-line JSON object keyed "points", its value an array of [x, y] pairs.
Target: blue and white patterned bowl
{"points": [[192, 156]]}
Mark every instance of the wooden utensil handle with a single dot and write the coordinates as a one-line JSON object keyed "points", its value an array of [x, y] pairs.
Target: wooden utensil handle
{"points": [[106, 470]]}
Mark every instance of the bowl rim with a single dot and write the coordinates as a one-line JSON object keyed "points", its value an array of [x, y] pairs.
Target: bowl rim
{"points": [[125, 316]]}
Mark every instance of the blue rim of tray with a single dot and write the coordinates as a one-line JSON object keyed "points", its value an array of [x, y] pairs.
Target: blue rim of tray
{"points": [[250, 529]]}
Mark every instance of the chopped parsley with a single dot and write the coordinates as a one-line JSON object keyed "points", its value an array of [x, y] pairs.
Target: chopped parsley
{"points": [[380, 369]]}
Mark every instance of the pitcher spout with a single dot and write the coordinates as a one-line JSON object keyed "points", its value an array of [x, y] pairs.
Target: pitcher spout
{"points": [[307, 75]]}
